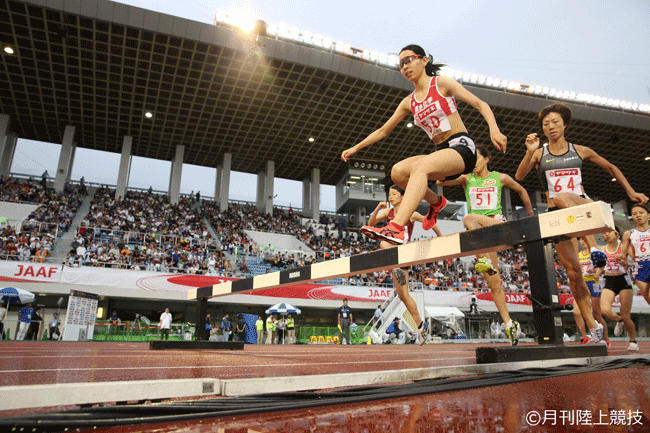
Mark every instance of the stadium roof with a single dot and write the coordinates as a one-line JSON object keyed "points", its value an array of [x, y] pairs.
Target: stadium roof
{"points": [[100, 65]]}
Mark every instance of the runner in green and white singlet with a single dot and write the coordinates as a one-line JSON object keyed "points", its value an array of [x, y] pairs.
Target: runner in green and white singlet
{"points": [[483, 192]]}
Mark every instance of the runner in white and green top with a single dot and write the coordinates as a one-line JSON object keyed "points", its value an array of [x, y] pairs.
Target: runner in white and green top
{"points": [[483, 193]]}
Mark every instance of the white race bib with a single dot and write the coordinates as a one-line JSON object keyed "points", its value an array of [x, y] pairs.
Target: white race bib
{"points": [[483, 197], [564, 180]]}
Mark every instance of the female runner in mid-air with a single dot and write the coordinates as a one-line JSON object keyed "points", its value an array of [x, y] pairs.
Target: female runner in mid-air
{"points": [[433, 106]]}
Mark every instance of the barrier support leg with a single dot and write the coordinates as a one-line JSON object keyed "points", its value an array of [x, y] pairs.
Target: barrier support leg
{"points": [[201, 311], [543, 288]]}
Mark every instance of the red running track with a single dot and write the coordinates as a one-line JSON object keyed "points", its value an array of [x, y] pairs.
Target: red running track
{"points": [[614, 396], [29, 363]]}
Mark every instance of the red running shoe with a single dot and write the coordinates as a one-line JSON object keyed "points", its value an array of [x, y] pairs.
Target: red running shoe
{"points": [[585, 340], [432, 216], [389, 233]]}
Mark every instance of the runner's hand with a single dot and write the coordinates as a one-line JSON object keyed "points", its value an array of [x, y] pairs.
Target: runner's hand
{"points": [[347, 154], [639, 198], [532, 142], [499, 140]]}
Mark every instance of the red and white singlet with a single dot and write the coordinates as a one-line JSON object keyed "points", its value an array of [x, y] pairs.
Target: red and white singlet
{"points": [[613, 267], [432, 113]]}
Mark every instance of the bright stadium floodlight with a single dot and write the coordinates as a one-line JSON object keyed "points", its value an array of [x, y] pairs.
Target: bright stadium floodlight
{"points": [[466, 76], [615, 103], [496, 82], [221, 16], [635, 106], [306, 37], [392, 60], [504, 83], [446, 71], [481, 79], [565, 94], [283, 30], [327, 42], [473, 78], [317, 39], [383, 57], [489, 81], [272, 30], [545, 90], [551, 92], [365, 55], [458, 75], [538, 90], [572, 95], [374, 55], [339, 46], [243, 20], [294, 34]]}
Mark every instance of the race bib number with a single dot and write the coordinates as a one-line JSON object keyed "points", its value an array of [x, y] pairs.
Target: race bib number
{"points": [[564, 180], [484, 197], [431, 117]]}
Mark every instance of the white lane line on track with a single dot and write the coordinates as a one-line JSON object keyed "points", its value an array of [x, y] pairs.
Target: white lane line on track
{"points": [[215, 366], [175, 355], [163, 354]]}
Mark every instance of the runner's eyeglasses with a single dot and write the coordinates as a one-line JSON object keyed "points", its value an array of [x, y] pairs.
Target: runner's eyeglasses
{"points": [[408, 59]]}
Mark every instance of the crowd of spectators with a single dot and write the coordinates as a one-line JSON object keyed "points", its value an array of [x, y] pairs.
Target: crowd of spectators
{"points": [[33, 238], [144, 231]]}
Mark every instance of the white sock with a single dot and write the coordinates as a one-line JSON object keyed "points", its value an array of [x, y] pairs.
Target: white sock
{"points": [[509, 324]]}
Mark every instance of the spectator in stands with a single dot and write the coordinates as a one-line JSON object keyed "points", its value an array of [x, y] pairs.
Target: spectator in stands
{"points": [[41, 255]]}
